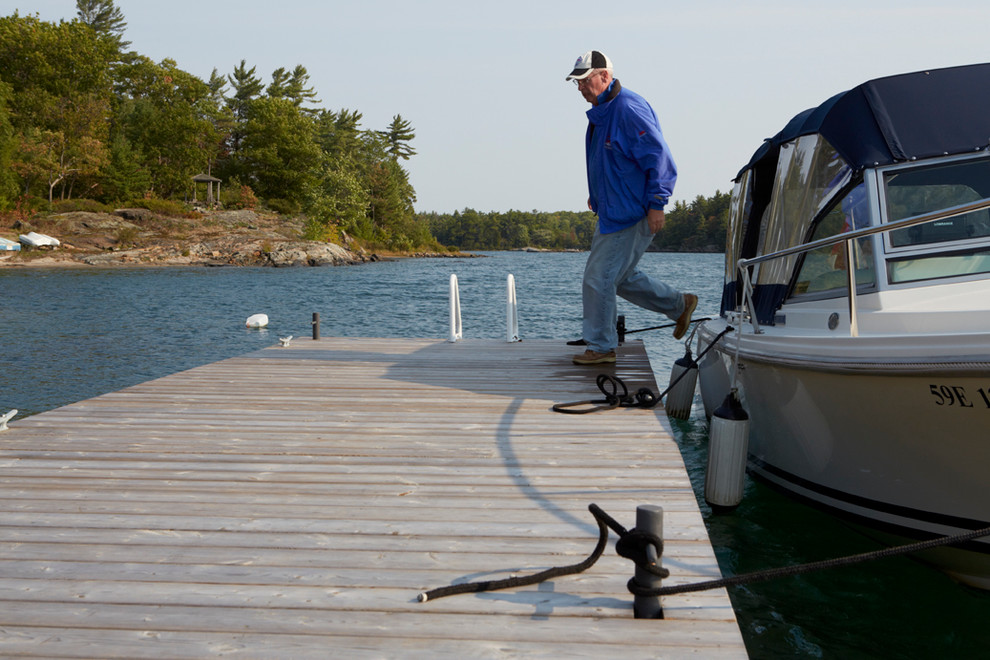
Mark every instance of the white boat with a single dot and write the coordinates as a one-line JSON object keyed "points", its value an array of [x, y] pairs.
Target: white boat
{"points": [[868, 389], [8, 245], [34, 239]]}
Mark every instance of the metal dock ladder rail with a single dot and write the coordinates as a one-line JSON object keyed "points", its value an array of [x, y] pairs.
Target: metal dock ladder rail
{"points": [[456, 330], [511, 311]]}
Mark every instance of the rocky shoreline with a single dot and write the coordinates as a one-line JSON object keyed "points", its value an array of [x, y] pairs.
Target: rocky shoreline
{"points": [[138, 237]]}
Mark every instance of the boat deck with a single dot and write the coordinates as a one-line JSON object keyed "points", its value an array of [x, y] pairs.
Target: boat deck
{"points": [[294, 502]]}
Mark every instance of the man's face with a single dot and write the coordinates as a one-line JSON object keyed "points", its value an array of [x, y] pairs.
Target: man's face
{"points": [[592, 86]]}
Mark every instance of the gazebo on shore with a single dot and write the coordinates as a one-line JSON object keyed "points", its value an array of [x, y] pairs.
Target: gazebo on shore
{"points": [[209, 181]]}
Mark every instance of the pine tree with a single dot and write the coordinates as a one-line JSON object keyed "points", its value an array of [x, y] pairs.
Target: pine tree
{"points": [[398, 136], [105, 18]]}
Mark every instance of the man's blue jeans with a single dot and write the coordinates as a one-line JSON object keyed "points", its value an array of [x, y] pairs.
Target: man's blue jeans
{"points": [[612, 270]]}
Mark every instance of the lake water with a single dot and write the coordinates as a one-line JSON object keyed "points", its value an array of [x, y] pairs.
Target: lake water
{"points": [[71, 334]]}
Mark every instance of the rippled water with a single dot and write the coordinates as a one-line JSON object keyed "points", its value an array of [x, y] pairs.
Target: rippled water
{"points": [[68, 334]]}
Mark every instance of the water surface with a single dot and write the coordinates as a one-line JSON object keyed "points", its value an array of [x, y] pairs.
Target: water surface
{"points": [[71, 334]]}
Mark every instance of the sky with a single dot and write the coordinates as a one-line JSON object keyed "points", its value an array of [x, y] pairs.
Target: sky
{"points": [[482, 84]]}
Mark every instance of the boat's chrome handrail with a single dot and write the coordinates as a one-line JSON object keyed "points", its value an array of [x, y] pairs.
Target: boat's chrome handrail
{"points": [[849, 239], [962, 209]]}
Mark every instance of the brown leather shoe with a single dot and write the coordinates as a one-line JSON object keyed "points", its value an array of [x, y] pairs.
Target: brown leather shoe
{"points": [[684, 320], [594, 357]]}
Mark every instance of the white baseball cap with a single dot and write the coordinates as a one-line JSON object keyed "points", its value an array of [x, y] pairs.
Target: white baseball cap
{"points": [[588, 62]]}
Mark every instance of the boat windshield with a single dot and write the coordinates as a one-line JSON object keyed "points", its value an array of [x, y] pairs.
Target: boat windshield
{"points": [[824, 269], [944, 248], [808, 171]]}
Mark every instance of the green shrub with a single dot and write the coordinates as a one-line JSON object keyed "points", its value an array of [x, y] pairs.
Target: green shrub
{"points": [[239, 196], [283, 206], [162, 206], [127, 235], [314, 230], [87, 205]]}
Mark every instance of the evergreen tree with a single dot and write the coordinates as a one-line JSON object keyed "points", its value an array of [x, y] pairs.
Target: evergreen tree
{"points": [[277, 87], [170, 120], [280, 153], [398, 136], [125, 177], [339, 133], [105, 18], [247, 88], [292, 86]]}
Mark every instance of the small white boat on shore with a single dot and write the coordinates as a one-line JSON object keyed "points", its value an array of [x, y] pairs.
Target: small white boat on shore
{"points": [[34, 239], [857, 290], [8, 245]]}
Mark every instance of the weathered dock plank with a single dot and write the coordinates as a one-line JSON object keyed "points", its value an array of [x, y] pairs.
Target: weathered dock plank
{"points": [[293, 502]]}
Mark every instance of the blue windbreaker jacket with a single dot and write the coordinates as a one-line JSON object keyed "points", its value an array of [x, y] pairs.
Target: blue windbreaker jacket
{"points": [[630, 168]]}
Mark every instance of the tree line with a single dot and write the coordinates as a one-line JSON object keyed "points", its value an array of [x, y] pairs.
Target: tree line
{"points": [[81, 116], [695, 227]]}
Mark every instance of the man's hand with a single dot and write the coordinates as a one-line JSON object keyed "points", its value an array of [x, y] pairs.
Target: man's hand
{"points": [[656, 220]]}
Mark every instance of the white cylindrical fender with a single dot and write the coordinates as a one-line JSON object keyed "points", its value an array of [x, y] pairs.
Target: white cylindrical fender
{"points": [[681, 392], [728, 447], [713, 380]]}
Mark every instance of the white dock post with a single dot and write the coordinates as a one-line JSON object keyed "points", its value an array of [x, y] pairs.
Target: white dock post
{"points": [[511, 311], [456, 331]]}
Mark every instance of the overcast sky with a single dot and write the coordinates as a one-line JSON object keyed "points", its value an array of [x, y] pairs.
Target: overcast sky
{"points": [[498, 128]]}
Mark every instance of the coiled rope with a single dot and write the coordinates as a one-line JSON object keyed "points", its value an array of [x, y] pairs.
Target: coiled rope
{"points": [[610, 386], [632, 545]]}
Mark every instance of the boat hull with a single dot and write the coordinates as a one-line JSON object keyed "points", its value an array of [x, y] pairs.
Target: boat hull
{"points": [[901, 448]]}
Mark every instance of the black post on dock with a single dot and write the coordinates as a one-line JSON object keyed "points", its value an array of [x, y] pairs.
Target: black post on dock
{"points": [[316, 325], [620, 327], [649, 518]]}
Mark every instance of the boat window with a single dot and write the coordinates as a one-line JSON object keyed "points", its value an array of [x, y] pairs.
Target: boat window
{"points": [[809, 171], [824, 269], [739, 210], [915, 191]]}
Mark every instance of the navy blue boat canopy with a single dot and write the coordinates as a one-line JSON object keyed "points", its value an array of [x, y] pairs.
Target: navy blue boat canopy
{"points": [[823, 150], [899, 118]]}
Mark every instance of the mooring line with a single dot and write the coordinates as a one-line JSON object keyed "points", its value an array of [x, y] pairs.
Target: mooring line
{"points": [[644, 397], [632, 542]]}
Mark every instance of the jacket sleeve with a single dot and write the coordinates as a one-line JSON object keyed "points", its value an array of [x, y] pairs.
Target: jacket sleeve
{"points": [[650, 151]]}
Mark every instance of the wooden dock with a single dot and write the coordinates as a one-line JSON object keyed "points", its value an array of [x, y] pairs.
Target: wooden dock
{"points": [[294, 502]]}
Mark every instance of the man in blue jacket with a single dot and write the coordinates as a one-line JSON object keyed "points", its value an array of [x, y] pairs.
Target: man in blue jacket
{"points": [[631, 176]]}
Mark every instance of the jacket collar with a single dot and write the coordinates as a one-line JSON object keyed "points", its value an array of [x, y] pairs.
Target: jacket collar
{"points": [[613, 90], [598, 113]]}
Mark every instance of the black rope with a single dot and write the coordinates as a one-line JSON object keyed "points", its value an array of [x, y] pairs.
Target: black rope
{"points": [[644, 397], [667, 325], [786, 571], [610, 386], [632, 545], [507, 583]]}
